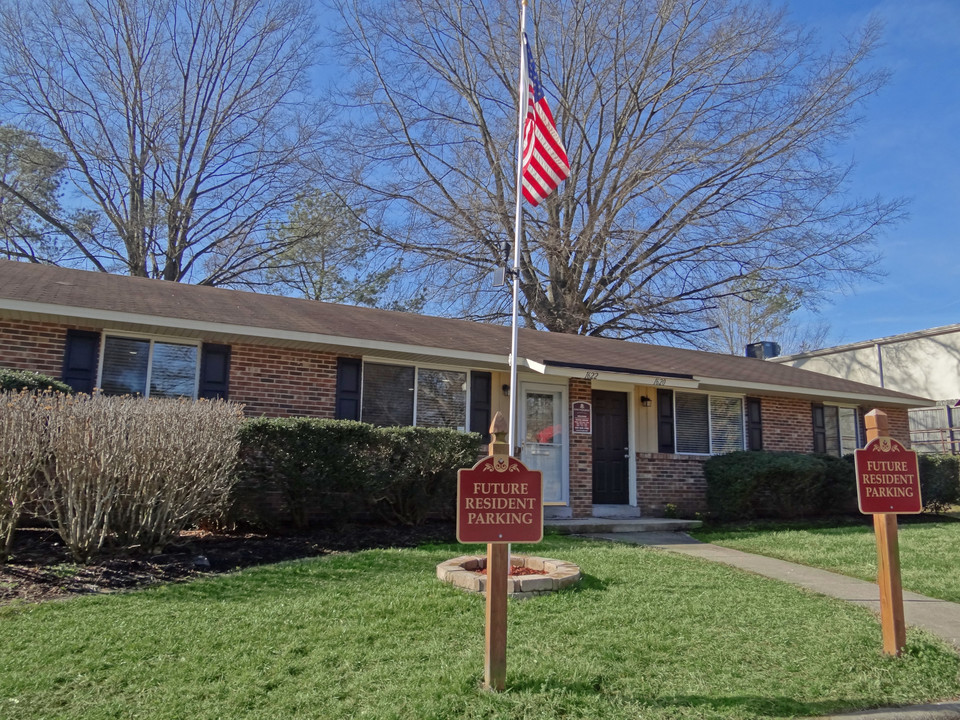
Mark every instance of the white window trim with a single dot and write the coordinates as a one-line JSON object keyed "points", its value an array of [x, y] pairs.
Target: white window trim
{"points": [[153, 339], [743, 424]]}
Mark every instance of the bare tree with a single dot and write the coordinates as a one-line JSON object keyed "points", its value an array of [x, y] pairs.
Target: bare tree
{"points": [[183, 122], [751, 316], [699, 134]]}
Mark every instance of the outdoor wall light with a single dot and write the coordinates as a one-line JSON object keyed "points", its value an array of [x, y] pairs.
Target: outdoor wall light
{"points": [[506, 390], [645, 401]]}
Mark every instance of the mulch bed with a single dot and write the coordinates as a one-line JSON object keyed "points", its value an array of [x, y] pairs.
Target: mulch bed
{"points": [[40, 567], [515, 571]]}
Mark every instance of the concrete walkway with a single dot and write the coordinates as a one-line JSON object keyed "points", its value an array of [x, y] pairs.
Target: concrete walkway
{"points": [[939, 617]]}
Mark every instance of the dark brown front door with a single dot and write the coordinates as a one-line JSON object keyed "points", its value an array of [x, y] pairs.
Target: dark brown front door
{"points": [[610, 449]]}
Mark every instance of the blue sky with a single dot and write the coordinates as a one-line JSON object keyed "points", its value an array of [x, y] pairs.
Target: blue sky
{"points": [[908, 145]]}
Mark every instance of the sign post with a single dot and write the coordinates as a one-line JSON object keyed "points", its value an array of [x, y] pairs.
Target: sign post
{"points": [[499, 501], [888, 482]]}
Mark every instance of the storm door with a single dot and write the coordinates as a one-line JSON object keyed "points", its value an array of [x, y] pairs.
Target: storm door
{"points": [[543, 437]]}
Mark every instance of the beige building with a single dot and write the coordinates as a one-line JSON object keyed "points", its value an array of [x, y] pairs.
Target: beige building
{"points": [[924, 363]]}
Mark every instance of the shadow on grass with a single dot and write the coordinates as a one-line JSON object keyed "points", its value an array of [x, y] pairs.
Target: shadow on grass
{"points": [[589, 583], [758, 705], [777, 706], [557, 686]]}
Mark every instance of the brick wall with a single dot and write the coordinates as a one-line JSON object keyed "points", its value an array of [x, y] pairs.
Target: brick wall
{"points": [[267, 380], [787, 424], [35, 346], [664, 478], [280, 382], [581, 455]]}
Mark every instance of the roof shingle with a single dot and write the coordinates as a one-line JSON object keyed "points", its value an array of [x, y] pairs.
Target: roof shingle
{"points": [[64, 290]]}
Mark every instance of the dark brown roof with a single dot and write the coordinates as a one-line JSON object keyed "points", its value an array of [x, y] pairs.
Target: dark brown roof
{"points": [[76, 293]]}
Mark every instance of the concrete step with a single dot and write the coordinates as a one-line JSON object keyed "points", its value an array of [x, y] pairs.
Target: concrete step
{"points": [[581, 526]]}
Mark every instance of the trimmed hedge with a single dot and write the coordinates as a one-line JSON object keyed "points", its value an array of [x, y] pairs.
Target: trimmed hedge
{"points": [[747, 485], [16, 380], [300, 472], [939, 481]]}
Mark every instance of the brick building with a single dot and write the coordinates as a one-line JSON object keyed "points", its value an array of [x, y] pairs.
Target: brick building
{"points": [[648, 415]]}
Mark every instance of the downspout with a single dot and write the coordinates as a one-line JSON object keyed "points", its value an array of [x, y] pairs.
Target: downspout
{"points": [[880, 362]]}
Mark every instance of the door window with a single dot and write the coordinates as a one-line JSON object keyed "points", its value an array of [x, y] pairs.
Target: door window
{"points": [[544, 439]]}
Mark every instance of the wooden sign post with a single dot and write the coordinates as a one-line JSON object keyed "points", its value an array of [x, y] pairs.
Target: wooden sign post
{"points": [[499, 501], [887, 483], [495, 634]]}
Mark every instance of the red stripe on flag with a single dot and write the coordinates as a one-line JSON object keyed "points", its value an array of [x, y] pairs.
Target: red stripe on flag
{"points": [[545, 162]]}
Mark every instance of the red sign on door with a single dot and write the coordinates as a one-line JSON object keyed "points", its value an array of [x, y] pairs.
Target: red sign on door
{"points": [[499, 501], [888, 478]]}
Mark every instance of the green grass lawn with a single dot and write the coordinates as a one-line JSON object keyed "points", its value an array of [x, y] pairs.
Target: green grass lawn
{"points": [[929, 551], [374, 634]]}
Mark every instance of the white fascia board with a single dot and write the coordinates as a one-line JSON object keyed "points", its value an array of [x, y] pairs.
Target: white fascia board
{"points": [[607, 376], [855, 398], [201, 326]]}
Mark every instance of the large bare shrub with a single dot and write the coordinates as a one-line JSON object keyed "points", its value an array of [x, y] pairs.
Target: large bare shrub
{"points": [[184, 454], [135, 470], [21, 452], [85, 436]]}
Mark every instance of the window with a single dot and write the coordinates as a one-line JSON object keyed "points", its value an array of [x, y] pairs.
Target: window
{"points": [[700, 424], [441, 398], [387, 395], [726, 424], [151, 368], [847, 427], [835, 430], [404, 395], [693, 422]]}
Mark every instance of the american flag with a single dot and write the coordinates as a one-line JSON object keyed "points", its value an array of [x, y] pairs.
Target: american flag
{"points": [[545, 163]]}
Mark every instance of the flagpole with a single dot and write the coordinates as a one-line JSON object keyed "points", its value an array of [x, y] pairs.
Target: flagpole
{"points": [[518, 229]]}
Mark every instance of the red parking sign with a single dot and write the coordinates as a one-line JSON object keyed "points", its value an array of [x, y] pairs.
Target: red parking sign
{"points": [[888, 478], [499, 501]]}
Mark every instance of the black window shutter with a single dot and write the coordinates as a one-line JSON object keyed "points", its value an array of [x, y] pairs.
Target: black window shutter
{"points": [[754, 424], [349, 376], [819, 430], [214, 372], [480, 399], [665, 439], [80, 360]]}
